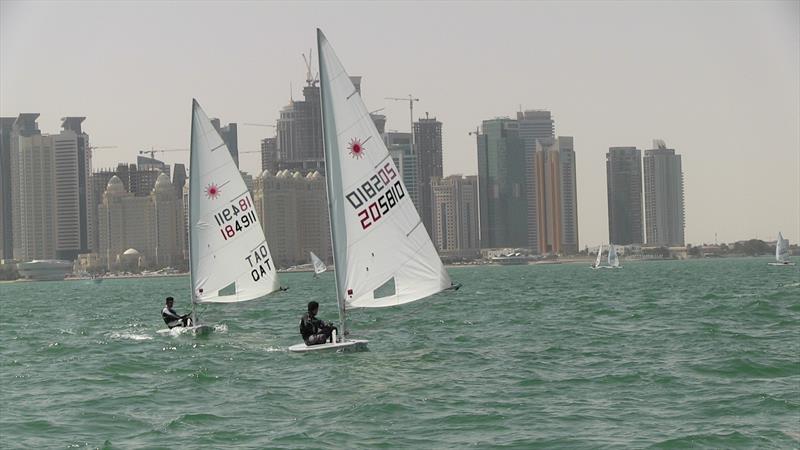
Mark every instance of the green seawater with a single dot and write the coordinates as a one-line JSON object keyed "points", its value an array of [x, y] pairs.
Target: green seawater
{"points": [[673, 354]]}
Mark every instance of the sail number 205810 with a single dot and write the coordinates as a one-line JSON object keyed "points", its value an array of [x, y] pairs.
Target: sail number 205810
{"points": [[236, 217], [379, 193]]}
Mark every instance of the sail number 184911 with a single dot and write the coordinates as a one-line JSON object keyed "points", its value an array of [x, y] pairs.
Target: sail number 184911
{"points": [[236, 217]]}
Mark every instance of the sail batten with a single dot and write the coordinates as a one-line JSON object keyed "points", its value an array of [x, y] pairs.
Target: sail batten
{"points": [[374, 225], [227, 245]]}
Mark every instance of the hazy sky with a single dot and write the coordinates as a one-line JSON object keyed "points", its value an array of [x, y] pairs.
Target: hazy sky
{"points": [[718, 81]]}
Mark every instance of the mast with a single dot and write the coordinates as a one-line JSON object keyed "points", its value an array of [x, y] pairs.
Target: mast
{"points": [[189, 215], [331, 172]]}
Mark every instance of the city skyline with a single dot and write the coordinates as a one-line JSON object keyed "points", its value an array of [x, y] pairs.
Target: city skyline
{"points": [[722, 90]]}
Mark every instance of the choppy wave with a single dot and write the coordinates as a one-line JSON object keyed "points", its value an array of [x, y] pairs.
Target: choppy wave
{"points": [[657, 354]]}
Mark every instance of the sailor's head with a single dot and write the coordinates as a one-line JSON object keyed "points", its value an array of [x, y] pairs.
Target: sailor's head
{"points": [[313, 307], [170, 301]]}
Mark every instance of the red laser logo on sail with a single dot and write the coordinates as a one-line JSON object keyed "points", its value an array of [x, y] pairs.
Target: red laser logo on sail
{"points": [[212, 191], [356, 148]]}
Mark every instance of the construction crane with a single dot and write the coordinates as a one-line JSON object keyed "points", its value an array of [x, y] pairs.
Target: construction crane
{"points": [[94, 147], [475, 133], [311, 80], [153, 151], [410, 101]]}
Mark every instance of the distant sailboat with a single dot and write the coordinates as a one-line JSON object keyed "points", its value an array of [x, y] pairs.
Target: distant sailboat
{"points": [[613, 259], [782, 252], [319, 266], [596, 264], [229, 260], [381, 249]]}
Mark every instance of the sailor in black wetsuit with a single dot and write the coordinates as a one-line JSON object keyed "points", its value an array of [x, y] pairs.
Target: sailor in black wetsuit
{"points": [[313, 330], [171, 318]]}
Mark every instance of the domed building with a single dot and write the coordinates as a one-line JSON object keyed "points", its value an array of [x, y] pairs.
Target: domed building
{"points": [[148, 229]]}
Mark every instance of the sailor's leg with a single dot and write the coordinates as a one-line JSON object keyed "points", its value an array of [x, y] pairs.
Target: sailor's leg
{"points": [[316, 339]]}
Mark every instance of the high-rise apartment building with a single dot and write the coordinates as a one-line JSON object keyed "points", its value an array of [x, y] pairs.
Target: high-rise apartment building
{"points": [[455, 215], [293, 210], [399, 146], [75, 203], [534, 125], [428, 150], [6, 231], [299, 132], [663, 196], [33, 191], [51, 195], [230, 135], [528, 190], [624, 187], [557, 203], [501, 178], [269, 154], [179, 177]]}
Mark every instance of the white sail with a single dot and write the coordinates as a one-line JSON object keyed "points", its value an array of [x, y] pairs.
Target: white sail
{"points": [[229, 257], [781, 249], [613, 259], [319, 266], [378, 237], [599, 255]]}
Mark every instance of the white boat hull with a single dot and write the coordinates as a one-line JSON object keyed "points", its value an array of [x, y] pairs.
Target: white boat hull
{"points": [[346, 345], [197, 330], [788, 263]]}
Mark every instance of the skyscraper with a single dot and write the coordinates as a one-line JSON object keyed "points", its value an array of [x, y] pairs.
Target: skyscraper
{"points": [[6, 231], [557, 204], [624, 187], [50, 190], [428, 150], [534, 125], [663, 196], [455, 214], [299, 132], [269, 154], [32, 191], [179, 178], [399, 146], [230, 135], [74, 203], [501, 177]]}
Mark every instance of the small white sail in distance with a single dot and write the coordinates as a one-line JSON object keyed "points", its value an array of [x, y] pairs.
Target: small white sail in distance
{"points": [[599, 255], [378, 237], [781, 249], [319, 266], [229, 257], [613, 259]]}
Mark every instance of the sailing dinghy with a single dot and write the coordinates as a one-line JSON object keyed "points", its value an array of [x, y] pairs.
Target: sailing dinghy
{"points": [[613, 259], [229, 259], [781, 252], [382, 252], [596, 264], [319, 266]]}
